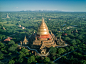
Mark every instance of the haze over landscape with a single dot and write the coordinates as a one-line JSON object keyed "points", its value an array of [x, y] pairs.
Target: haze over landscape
{"points": [[60, 5]]}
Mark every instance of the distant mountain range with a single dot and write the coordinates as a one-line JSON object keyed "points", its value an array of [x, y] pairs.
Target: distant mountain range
{"points": [[38, 11], [41, 11]]}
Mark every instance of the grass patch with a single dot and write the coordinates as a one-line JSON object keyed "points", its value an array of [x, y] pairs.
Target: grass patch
{"points": [[5, 23]]}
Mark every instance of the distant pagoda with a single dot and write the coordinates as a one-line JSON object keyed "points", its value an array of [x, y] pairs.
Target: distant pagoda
{"points": [[7, 16]]}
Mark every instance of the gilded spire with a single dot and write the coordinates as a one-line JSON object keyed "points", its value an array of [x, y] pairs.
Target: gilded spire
{"points": [[60, 37], [43, 20], [25, 40], [25, 37], [51, 32], [34, 31], [43, 29]]}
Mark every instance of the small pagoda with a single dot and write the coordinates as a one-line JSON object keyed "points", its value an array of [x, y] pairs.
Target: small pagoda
{"points": [[60, 41], [25, 42], [7, 16]]}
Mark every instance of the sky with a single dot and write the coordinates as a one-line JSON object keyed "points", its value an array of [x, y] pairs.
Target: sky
{"points": [[60, 5]]}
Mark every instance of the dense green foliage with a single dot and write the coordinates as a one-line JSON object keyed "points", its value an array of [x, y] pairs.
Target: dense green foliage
{"points": [[60, 23]]}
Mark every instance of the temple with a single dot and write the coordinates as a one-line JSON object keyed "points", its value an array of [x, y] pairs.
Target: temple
{"points": [[43, 39]]}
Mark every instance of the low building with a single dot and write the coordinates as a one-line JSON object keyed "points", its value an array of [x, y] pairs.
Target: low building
{"points": [[19, 25], [23, 27], [8, 39]]}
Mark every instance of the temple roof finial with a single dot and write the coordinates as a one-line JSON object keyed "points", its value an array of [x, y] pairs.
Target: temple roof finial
{"points": [[34, 31], [60, 37], [51, 32], [42, 19], [25, 36]]}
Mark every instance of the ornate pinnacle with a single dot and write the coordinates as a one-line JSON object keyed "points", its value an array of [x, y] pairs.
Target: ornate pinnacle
{"points": [[60, 37], [42, 19], [25, 37]]}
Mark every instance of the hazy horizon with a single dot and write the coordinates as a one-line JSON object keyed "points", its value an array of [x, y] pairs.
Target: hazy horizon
{"points": [[59, 5]]}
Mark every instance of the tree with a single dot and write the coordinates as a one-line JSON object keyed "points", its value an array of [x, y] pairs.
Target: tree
{"points": [[46, 59], [63, 58], [38, 57], [61, 50], [80, 49], [59, 34], [21, 54], [53, 50], [1, 55], [12, 48], [51, 62], [1, 62], [83, 61], [10, 54], [84, 57], [73, 60], [76, 34], [27, 54], [73, 42], [11, 42], [31, 59], [24, 50], [71, 36], [58, 55], [11, 62], [78, 41], [71, 48], [1, 45], [54, 57], [80, 37], [67, 39], [20, 60], [68, 49], [79, 55]]}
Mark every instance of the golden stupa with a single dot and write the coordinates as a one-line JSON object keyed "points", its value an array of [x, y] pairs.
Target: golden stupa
{"points": [[25, 40], [43, 29], [43, 39]]}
